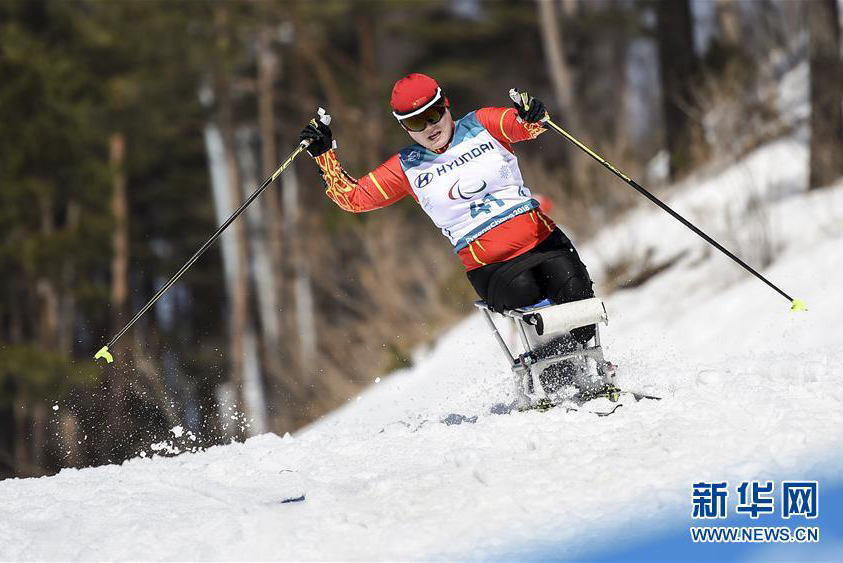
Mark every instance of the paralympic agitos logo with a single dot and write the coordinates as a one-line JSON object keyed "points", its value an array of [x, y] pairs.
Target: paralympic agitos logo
{"points": [[464, 195]]}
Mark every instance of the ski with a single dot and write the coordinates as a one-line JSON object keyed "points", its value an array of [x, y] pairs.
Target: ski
{"points": [[579, 402], [544, 405]]}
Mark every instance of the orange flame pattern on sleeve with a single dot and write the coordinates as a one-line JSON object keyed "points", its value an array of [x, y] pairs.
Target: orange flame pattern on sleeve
{"points": [[534, 129], [339, 184]]}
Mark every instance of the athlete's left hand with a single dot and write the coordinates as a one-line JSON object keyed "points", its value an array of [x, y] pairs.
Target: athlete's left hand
{"points": [[319, 137], [534, 113]]}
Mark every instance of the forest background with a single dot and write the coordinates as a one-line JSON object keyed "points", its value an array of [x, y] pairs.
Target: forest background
{"points": [[129, 130]]}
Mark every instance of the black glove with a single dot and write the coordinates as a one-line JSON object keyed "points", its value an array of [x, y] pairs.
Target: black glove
{"points": [[320, 137], [534, 114]]}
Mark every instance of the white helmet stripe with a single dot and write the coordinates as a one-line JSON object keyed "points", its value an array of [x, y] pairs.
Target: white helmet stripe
{"points": [[400, 116]]}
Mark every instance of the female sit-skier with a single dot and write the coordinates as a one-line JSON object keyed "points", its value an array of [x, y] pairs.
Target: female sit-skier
{"points": [[466, 178]]}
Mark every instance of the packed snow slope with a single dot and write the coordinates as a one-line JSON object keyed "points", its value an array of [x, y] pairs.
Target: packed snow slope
{"points": [[750, 390]]}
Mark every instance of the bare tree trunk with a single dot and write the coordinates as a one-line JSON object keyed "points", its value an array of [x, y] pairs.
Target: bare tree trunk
{"points": [[569, 8], [557, 65], [560, 75], [728, 20], [678, 64], [39, 433], [303, 294], [48, 330], [245, 393], [69, 435], [238, 296], [367, 36], [312, 53], [218, 162], [274, 325], [116, 379], [21, 459], [265, 348], [620, 48], [267, 73], [67, 301], [48, 317], [238, 304], [826, 93], [48, 305], [69, 423], [120, 239], [323, 72]]}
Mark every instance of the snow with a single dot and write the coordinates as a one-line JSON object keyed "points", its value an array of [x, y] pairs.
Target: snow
{"points": [[750, 390]]}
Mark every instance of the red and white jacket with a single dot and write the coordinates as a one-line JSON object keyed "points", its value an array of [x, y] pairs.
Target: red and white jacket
{"points": [[472, 189]]}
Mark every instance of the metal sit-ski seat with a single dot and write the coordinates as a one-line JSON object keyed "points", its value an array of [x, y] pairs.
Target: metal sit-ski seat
{"points": [[539, 324]]}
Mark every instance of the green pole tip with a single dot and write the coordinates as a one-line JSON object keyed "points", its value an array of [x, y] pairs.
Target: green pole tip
{"points": [[104, 353], [798, 305]]}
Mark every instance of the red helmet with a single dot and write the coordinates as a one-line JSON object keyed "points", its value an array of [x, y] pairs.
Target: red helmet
{"points": [[413, 94]]}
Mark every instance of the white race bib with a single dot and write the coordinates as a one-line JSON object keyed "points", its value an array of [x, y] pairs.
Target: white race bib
{"points": [[470, 188]]}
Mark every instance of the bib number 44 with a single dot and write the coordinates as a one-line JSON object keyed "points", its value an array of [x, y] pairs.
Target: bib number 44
{"points": [[485, 205]]}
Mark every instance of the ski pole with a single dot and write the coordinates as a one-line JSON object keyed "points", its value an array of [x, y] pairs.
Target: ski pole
{"points": [[523, 100], [104, 352]]}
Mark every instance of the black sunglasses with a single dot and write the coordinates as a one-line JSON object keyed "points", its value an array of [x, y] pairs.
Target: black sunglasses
{"points": [[419, 122]]}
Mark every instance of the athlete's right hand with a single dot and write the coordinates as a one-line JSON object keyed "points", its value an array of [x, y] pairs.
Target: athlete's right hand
{"points": [[535, 113], [319, 137]]}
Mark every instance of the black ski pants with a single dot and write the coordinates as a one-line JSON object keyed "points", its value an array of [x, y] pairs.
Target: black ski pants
{"points": [[552, 270]]}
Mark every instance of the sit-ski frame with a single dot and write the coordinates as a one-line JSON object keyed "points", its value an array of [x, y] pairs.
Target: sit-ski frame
{"points": [[527, 366]]}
